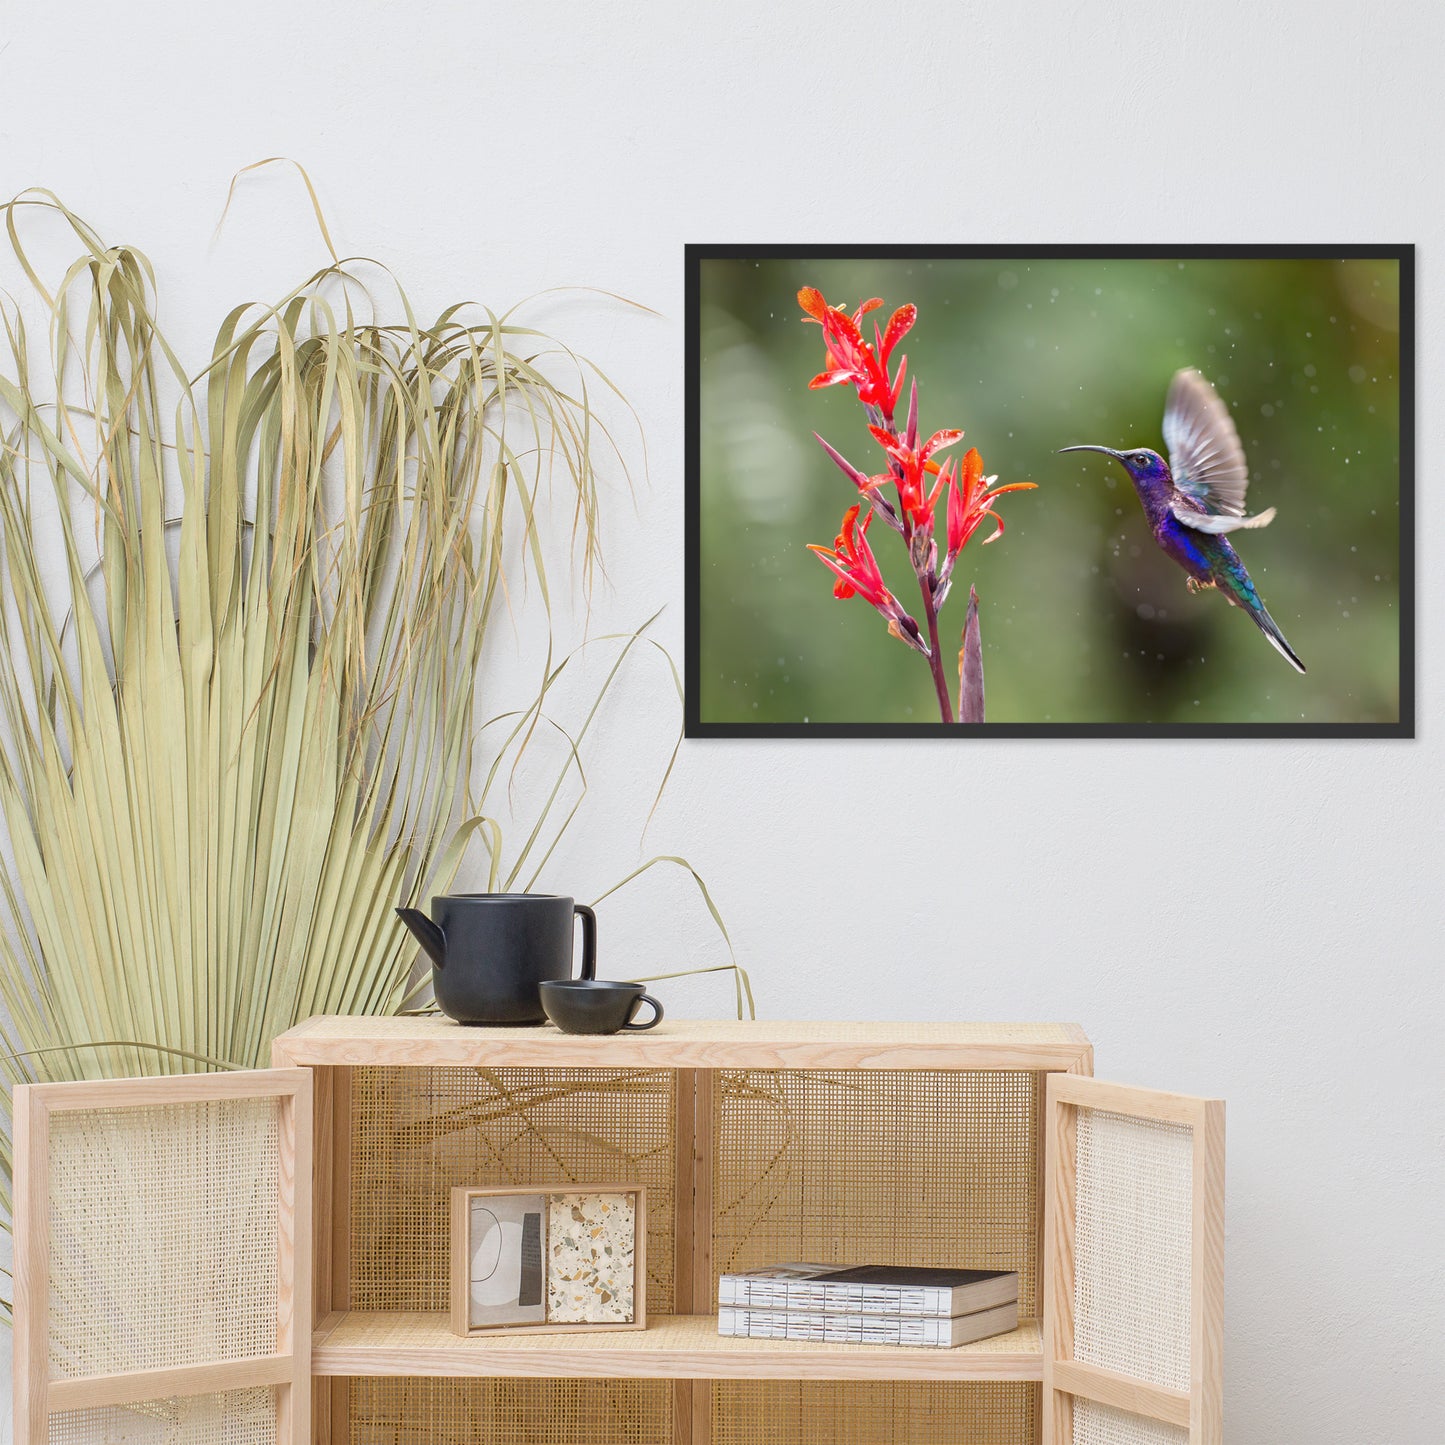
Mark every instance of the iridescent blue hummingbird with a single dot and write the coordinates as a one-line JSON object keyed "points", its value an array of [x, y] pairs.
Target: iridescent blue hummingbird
{"points": [[1197, 496]]}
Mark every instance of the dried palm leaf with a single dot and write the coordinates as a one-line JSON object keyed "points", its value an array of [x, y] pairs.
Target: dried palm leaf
{"points": [[239, 727]]}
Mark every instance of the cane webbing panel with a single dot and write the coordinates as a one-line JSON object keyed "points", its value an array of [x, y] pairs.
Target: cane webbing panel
{"points": [[163, 1243], [1133, 1247], [416, 1133], [775, 1412], [1096, 1424], [234, 1417], [878, 1167], [410, 1411]]}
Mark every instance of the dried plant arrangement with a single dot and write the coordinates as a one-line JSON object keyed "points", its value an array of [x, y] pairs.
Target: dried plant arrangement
{"points": [[242, 615]]}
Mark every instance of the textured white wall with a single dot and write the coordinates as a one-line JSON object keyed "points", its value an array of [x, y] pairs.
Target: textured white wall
{"points": [[1281, 948]]}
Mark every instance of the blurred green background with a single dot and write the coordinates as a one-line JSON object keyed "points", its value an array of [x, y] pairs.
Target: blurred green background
{"points": [[1083, 619]]}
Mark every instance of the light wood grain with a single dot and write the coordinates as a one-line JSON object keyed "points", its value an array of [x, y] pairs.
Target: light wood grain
{"points": [[1109, 1387], [161, 1089], [295, 1255], [672, 1347], [696, 1050], [683, 1347], [684, 1151], [1200, 1410], [330, 1210], [330, 1204], [30, 1140], [288, 1368], [639, 1258], [682, 1410], [1125, 1099], [1058, 1283], [1206, 1420], [135, 1385], [687, 1044], [337, 1394], [702, 1269], [459, 1249]]}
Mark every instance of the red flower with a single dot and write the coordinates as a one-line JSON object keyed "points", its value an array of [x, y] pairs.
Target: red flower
{"points": [[853, 360], [852, 561], [968, 502], [920, 481], [910, 467]]}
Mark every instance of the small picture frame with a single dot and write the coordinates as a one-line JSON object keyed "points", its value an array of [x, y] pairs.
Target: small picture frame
{"points": [[554, 1258]]}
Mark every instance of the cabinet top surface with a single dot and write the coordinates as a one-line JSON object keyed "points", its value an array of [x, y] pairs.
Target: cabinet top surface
{"points": [[688, 1043]]}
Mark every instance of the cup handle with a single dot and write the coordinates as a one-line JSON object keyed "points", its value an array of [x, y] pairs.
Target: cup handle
{"points": [[589, 940], [653, 1022]]}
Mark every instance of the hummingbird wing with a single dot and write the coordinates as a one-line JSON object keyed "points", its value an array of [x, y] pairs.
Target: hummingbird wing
{"points": [[1205, 456], [1189, 513]]}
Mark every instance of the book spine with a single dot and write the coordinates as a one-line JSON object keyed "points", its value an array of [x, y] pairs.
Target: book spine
{"points": [[744, 1292], [834, 1328]]}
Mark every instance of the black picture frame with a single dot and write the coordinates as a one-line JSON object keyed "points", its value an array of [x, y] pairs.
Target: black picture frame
{"points": [[695, 727]]}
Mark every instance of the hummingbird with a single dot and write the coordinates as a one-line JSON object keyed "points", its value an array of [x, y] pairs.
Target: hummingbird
{"points": [[1196, 498]]}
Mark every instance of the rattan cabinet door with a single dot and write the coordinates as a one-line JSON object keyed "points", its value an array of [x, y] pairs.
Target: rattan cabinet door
{"points": [[162, 1260], [1133, 1266]]}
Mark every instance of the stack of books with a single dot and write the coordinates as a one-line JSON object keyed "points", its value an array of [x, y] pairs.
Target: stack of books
{"points": [[871, 1304]]}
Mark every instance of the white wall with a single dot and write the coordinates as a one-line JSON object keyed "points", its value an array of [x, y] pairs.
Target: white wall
{"points": [[1286, 954]]}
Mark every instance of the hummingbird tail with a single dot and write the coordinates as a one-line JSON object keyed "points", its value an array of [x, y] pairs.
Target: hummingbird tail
{"points": [[1270, 628]]}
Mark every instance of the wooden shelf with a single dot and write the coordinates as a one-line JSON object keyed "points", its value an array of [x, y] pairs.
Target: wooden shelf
{"points": [[434, 1041], [672, 1347]]}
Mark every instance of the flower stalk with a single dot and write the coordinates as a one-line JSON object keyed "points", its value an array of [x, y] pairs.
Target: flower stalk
{"points": [[919, 481]]}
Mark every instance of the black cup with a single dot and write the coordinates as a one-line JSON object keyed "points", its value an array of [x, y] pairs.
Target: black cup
{"points": [[596, 1006]]}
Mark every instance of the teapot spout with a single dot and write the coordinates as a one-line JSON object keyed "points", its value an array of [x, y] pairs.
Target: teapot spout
{"points": [[426, 933]]}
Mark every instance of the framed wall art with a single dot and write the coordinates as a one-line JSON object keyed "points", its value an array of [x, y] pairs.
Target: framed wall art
{"points": [[1029, 491], [548, 1258]]}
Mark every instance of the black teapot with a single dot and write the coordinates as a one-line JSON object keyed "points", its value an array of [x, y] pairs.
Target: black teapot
{"points": [[491, 951]]}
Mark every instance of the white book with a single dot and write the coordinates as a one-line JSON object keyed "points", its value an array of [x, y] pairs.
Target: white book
{"points": [[869, 1289], [843, 1329]]}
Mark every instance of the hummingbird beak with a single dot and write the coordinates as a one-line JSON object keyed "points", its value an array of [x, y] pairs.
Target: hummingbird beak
{"points": [[1107, 451]]}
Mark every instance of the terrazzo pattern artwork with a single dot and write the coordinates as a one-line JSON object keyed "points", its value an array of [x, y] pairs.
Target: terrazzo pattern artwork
{"points": [[591, 1258]]}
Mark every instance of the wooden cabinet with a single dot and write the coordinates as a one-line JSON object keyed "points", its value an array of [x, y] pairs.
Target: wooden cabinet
{"points": [[984, 1144]]}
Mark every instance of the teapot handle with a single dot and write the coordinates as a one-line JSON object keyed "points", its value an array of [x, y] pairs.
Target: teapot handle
{"points": [[589, 940]]}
